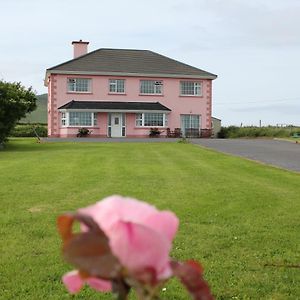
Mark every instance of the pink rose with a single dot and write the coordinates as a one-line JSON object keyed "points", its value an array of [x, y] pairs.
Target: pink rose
{"points": [[139, 235]]}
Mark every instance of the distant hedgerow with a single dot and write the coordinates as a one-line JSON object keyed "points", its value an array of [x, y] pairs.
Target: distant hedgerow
{"points": [[255, 132]]}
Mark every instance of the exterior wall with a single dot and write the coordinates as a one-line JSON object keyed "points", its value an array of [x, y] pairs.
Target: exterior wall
{"points": [[216, 124], [53, 114], [58, 96]]}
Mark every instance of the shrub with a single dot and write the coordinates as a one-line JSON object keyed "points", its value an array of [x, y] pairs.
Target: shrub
{"points": [[15, 102], [154, 132], [255, 132], [26, 130], [83, 132]]}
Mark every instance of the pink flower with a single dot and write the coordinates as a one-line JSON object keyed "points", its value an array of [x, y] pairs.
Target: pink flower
{"points": [[124, 244], [140, 236]]}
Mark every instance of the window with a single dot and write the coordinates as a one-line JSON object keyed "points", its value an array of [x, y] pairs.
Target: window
{"points": [[79, 85], [139, 120], [95, 119], [63, 119], [190, 88], [117, 86], [150, 119], [78, 119], [151, 87], [190, 125]]}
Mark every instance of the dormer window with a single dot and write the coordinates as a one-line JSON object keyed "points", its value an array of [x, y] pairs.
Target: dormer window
{"points": [[151, 87], [79, 85]]}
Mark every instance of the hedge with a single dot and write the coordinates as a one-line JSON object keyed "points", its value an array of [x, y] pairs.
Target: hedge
{"points": [[253, 132], [26, 130]]}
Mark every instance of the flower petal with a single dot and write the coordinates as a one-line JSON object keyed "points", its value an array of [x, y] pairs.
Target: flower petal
{"points": [[115, 208], [72, 281], [139, 247], [99, 284], [164, 222]]}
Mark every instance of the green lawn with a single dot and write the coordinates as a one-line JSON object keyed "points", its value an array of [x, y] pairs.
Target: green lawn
{"points": [[236, 215]]}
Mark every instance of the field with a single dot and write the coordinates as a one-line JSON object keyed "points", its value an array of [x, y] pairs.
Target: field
{"points": [[236, 216], [40, 114]]}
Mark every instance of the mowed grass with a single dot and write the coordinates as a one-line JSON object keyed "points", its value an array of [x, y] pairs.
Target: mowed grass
{"points": [[235, 215]]}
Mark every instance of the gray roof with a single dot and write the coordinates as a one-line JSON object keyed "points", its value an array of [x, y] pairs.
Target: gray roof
{"points": [[110, 105], [127, 61]]}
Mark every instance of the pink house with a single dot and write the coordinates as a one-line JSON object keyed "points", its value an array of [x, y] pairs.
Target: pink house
{"points": [[124, 93]]}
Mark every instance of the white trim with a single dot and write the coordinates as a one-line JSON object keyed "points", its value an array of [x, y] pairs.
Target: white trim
{"points": [[115, 110]]}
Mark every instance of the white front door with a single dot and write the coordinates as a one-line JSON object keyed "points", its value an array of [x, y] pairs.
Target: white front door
{"points": [[116, 125]]}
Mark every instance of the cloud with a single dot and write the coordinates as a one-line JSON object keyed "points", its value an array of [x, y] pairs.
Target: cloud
{"points": [[257, 23]]}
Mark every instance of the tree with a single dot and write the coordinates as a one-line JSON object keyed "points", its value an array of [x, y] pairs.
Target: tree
{"points": [[15, 102]]}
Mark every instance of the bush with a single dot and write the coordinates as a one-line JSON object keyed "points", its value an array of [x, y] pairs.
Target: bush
{"points": [[154, 132], [15, 102], [255, 132], [83, 132], [26, 130]]}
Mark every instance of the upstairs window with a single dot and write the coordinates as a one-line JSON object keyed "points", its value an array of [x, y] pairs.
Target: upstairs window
{"points": [[151, 87], [79, 85], [190, 88], [117, 86]]}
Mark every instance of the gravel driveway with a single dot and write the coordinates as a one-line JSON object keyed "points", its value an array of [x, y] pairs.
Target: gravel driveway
{"points": [[274, 152]]}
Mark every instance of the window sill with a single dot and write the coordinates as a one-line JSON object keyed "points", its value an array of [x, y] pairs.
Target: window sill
{"points": [[192, 96], [156, 95], [148, 127], [83, 126], [79, 93], [117, 93]]}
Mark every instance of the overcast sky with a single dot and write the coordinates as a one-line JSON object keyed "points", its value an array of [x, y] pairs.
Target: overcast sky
{"points": [[253, 46]]}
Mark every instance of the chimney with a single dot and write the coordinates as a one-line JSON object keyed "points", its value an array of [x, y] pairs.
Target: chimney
{"points": [[80, 48]]}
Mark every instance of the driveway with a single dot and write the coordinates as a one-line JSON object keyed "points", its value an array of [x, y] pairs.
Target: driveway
{"points": [[274, 152]]}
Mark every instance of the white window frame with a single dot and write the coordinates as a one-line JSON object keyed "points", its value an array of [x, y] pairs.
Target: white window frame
{"points": [[156, 84], [140, 120], [114, 83], [197, 87], [76, 85], [63, 119], [65, 116]]}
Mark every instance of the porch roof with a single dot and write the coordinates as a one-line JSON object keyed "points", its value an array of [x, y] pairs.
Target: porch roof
{"points": [[111, 106]]}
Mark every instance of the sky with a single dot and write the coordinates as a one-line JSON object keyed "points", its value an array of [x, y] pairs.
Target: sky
{"points": [[253, 46]]}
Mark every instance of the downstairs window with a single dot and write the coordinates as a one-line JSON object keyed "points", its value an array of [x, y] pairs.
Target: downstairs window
{"points": [[151, 119], [78, 119]]}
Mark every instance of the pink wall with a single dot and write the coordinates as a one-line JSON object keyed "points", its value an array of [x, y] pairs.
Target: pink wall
{"points": [[58, 96]]}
